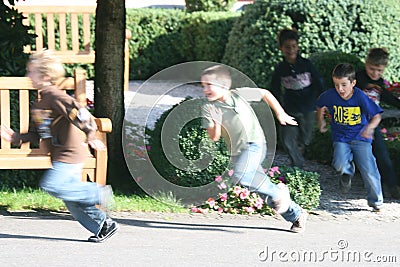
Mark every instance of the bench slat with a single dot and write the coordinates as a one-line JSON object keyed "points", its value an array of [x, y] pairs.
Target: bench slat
{"points": [[51, 42], [5, 113], [38, 31], [34, 162], [62, 21]]}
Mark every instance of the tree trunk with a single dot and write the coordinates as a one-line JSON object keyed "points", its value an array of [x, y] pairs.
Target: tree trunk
{"points": [[109, 83]]}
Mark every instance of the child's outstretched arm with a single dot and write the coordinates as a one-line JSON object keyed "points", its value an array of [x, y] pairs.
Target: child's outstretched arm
{"points": [[368, 131], [320, 119], [281, 115]]}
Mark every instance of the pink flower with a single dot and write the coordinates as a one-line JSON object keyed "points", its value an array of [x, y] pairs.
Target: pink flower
{"points": [[220, 210], [237, 190], [223, 196], [249, 209], [218, 179], [211, 202], [222, 186], [259, 203], [276, 169], [384, 130], [204, 211], [195, 210], [230, 172], [273, 170], [245, 193]]}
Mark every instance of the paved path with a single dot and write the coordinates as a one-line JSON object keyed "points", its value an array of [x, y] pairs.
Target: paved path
{"points": [[156, 239]]}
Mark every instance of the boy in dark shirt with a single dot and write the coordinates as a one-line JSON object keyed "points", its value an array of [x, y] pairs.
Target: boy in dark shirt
{"points": [[371, 82], [301, 84]]}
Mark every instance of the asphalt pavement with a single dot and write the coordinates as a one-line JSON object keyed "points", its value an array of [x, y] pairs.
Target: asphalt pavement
{"points": [[30, 238]]}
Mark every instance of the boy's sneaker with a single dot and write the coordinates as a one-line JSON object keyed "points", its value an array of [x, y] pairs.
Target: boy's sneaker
{"points": [[106, 198], [109, 228], [376, 208], [281, 203], [345, 183], [299, 226]]}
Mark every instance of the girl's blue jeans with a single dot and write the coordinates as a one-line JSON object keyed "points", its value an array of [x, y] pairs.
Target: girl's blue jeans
{"points": [[63, 181], [361, 152], [249, 173]]}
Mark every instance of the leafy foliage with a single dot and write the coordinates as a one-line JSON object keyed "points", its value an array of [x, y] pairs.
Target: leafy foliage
{"points": [[194, 146], [325, 62], [209, 5], [163, 38], [331, 25], [303, 186]]}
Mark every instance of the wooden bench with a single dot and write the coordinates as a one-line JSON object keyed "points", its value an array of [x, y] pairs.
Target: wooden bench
{"points": [[27, 157], [62, 23]]}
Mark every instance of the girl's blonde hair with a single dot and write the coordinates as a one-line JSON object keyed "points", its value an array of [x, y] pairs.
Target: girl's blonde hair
{"points": [[48, 65]]}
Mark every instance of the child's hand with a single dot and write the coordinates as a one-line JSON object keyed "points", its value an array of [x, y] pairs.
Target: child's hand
{"points": [[367, 132], [6, 133], [97, 144], [286, 119], [322, 126], [216, 114]]}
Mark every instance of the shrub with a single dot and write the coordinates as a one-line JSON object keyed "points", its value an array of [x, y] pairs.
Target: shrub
{"points": [[155, 40], [204, 35], [303, 187], [209, 5], [325, 62], [194, 146], [347, 26], [163, 38]]}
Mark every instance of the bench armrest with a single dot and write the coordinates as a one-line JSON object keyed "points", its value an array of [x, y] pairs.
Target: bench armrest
{"points": [[104, 125]]}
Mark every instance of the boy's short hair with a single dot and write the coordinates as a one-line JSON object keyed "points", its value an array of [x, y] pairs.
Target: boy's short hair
{"points": [[287, 34], [221, 73], [377, 56], [48, 64], [344, 70]]}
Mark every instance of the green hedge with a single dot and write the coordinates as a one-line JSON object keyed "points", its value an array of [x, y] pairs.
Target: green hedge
{"points": [[209, 5], [325, 62], [163, 38], [347, 26]]}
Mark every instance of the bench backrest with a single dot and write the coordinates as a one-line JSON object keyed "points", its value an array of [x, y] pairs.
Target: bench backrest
{"points": [[24, 86], [62, 23]]}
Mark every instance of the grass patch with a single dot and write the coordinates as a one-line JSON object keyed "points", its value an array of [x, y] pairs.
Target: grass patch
{"points": [[35, 199]]}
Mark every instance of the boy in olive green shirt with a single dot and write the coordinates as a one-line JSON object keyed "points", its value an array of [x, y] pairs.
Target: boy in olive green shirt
{"points": [[229, 115]]}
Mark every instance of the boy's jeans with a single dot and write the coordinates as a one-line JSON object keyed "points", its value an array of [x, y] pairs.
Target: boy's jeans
{"points": [[361, 152], [63, 181], [249, 172], [383, 160]]}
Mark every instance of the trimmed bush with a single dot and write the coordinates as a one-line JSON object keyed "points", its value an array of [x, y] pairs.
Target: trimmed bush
{"points": [[194, 145], [155, 40], [209, 5], [347, 26], [162, 38], [325, 62], [204, 35]]}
